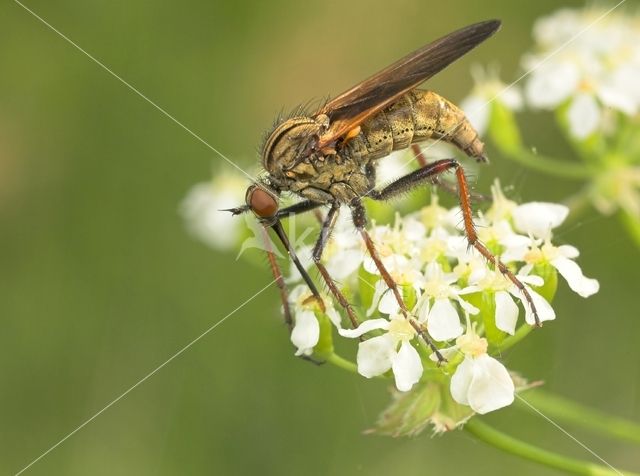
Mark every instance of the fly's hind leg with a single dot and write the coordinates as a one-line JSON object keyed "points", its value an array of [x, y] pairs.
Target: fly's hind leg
{"points": [[360, 221], [425, 175], [418, 154]]}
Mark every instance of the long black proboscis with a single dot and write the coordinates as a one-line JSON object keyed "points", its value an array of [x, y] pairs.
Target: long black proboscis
{"points": [[277, 227]]}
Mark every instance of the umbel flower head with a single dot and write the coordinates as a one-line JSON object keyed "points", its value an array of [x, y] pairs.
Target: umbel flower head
{"points": [[593, 72], [583, 71], [467, 307]]}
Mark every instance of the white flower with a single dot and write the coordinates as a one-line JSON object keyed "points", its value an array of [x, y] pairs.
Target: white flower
{"points": [[487, 91], [539, 218], [560, 257], [619, 186], [203, 210], [592, 65], [391, 350], [480, 381], [504, 291], [306, 329], [344, 252], [435, 306]]}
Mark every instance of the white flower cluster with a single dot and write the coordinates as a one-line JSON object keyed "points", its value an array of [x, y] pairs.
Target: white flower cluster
{"points": [[203, 215], [589, 60], [441, 278]]}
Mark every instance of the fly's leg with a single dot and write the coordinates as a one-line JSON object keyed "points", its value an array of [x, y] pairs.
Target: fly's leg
{"points": [[327, 225], [297, 208], [325, 233], [360, 221], [426, 174], [418, 154], [277, 274]]}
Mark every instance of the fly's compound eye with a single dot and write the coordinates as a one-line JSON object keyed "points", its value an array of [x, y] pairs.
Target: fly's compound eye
{"points": [[261, 202]]}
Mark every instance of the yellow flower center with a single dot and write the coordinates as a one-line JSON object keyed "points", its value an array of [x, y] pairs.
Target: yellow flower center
{"points": [[401, 329], [471, 344], [546, 253]]}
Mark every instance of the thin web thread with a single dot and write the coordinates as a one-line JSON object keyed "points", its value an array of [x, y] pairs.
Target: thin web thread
{"points": [[143, 379], [132, 88], [537, 410]]}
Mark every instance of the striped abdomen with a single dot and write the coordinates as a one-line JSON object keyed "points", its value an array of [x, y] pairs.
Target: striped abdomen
{"points": [[417, 116]]}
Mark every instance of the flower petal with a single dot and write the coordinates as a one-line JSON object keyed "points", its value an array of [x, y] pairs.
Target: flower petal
{"points": [[461, 380], [345, 263], [306, 332], [506, 312], [467, 306], [551, 83], [375, 355], [583, 115], [477, 111], [446, 352], [569, 251], [407, 367], [538, 218], [334, 317], [443, 322], [544, 309], [577, 281], [491, 386], [531, 279], [388, 303], [364, 327], [423, 311]]}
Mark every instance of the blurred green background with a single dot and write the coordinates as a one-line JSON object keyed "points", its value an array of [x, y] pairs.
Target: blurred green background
{"points": [[100, 283]]}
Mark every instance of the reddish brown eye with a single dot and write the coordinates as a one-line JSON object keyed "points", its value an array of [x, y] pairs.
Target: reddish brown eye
{"points": [[262, 203]]}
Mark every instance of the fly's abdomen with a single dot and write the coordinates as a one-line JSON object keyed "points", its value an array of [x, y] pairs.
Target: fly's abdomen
{"points": [[417, 116]]}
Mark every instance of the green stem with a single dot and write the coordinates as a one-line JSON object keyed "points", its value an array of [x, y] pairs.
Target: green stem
{"points": [[341, 362], [583, 416], [500, 440], [548, 165], [632, 224]]}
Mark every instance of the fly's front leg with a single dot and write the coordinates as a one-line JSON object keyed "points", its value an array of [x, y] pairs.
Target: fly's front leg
{"points": [[284, 294], [325, 233], [426, 174], [297, 208], [277, 274]]}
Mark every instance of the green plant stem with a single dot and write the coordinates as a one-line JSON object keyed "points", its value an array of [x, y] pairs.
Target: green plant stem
{"points": [[500, 440], [632, 224], [341, 362], [582, 416], [548, 165]]}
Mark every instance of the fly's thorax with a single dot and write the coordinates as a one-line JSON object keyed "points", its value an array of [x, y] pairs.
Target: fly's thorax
{"points": [[290, 141]]}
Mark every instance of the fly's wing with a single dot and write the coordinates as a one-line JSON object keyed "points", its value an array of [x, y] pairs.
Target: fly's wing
{"points": [[351, 108]]}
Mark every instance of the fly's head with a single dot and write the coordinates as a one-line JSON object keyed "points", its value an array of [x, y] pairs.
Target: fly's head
{"points": [[261, 199], [292, 143]]}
